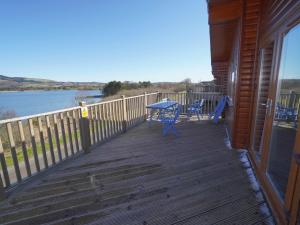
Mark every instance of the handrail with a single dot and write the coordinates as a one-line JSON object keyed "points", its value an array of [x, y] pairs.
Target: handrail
{"points": [[37, 115]]}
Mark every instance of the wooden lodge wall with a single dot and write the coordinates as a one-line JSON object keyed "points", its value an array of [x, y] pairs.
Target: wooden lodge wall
{"points": [[247, 63]]}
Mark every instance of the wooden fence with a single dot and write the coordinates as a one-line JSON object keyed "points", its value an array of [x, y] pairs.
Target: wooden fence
{"points": [[32, 144]]}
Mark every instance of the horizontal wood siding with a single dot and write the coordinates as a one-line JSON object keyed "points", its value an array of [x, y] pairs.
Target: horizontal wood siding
{"points": [[245, 87], [273, 13]]}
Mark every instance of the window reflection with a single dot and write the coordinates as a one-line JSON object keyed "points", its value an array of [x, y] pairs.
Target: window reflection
{"points": [[287, 106]]}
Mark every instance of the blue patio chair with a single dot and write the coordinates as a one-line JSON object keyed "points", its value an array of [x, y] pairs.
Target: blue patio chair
{"points": [[169, 120], [196, 108], [286, 113], [219, 109]]}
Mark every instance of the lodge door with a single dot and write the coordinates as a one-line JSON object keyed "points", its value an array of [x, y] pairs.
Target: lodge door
{"points": [[282, 133]]}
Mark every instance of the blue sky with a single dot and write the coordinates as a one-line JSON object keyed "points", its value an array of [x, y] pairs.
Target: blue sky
{"points": [[103, 40]]}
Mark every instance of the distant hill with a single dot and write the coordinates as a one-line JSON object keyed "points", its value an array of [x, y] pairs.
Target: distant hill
{"points": [[24, 83]]}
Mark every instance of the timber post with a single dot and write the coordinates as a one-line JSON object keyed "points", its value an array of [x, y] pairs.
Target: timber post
{"points": [[124, 113], [84, 124]]}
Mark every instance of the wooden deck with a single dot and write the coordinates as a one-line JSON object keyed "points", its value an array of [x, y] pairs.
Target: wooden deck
{"points": [[143, 178]]}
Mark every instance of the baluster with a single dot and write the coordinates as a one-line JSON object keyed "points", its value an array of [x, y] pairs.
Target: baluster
{"points": [[118, 116], [112, 118], [24, 148], [105, 126], [107, 116], [63, 132], [70, 132], [97, 124], [13, 151], [75, 130], [92, 125], [134, 111], [4, 165], [57, 139], [42, 140], [124, 108], [102, 128], [33, 143], [50, 141]]}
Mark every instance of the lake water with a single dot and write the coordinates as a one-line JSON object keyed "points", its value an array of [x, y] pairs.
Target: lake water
{"points": [[25, 103]]}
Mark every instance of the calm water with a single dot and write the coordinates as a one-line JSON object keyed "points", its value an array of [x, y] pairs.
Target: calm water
{"points": [[25, 103]]}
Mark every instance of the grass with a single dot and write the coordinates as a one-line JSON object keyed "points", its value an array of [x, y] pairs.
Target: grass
{"points": [[20, 156]]}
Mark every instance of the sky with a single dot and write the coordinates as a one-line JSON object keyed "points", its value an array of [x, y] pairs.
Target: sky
{"points": [[104, 40], [290, 68]]}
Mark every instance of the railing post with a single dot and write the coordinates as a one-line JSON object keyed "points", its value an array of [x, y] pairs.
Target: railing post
{"points": [[124, 113], [85, 128], [145, 105]]}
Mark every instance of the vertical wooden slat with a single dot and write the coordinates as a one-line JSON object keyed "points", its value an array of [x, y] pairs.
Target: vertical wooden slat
{"points": [[114, 109], [105, 125], [102, 135], [50, 141], [129, 110], [92, 119], [117, 117], [108, 111], [4, 165], [97, 124], [33, 144], [24, 148], [75, 129], [124, 109], [70, 133], [121, 115], [57, 139], [42, 140], [13, 151], [113, 118], [63, 133]]}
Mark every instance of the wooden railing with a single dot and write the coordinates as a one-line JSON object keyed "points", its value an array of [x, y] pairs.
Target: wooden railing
{"points": [[32, 144], [186, 98], [291, 100]]}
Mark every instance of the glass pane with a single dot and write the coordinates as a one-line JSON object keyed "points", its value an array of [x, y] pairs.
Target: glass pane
{"points": [[262, 97], [286, 112]]}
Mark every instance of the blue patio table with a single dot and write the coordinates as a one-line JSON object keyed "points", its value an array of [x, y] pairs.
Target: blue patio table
{"points": [[160, 107]]}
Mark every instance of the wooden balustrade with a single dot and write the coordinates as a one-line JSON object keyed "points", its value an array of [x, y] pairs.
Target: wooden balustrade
{"points": [[187, 98], [32, 144], [291, 100]]}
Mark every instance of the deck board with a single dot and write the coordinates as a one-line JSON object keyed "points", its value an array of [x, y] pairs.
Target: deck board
{"points": [[143, 178]]}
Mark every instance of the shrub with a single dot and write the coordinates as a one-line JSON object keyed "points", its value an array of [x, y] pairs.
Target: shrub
{"points": [[112, 88]]}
